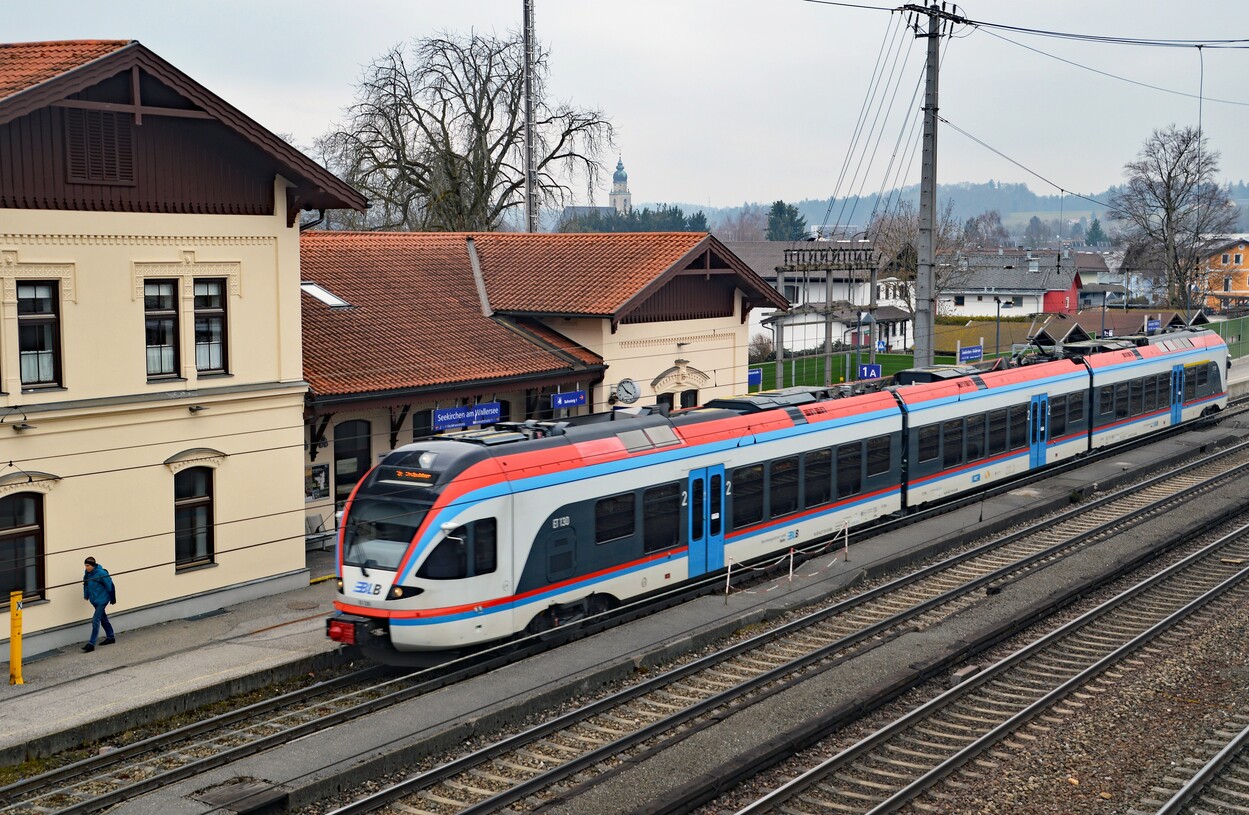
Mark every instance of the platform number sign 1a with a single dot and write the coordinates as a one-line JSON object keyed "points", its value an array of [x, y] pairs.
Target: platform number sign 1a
{"points": [[869, 372]]}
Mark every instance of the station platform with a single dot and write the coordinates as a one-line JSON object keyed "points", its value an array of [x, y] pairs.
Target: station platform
{"points": [[70, 697]]}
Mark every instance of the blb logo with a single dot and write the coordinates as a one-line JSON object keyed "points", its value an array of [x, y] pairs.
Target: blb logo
{"points": [[361, 587]]}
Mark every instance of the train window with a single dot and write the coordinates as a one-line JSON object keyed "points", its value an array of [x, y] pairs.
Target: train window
{"points": [[818, 477], [849, 469], [952, 446], [975, 437], [613, 517], [1150, 396], [783, 486], [1137, 389], [1075, 408], [1190, 385], [1106, 401], [879, 455], [449, 559], [661, 513], [485, 546], [1058, 416], [716, 493], [929, 443], [698, 495], [1018, 427], [997, 432], [1203, 377], [747, 495], [1121, 400]]}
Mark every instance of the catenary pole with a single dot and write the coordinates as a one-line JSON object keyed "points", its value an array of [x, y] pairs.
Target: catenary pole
{"points": [[531, 192]]}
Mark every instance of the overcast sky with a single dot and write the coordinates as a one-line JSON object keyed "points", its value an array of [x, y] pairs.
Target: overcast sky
{"points": [[717, 102]]}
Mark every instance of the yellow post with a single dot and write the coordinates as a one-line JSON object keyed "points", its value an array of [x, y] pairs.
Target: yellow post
{"points": [[15, 639]]}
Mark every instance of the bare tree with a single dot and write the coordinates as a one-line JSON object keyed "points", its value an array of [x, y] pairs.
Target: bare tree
{"points": [[761, 348], [895, 235], [1173, 208], [435, 138], [748, 224]]}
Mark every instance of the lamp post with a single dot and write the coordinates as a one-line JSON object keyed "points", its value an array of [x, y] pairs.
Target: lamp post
{"points": [[997, 344]]}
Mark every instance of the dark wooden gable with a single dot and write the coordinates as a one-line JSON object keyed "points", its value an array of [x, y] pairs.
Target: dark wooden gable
{"points": [[129, 132], [88, 153], [701, 288], [701, 285]]}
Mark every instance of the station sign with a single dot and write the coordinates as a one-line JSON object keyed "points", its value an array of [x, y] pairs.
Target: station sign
{"points": [[567, 399], [869, 372], [1153, 325], [754, 377], [481, 413], [970, 353]]}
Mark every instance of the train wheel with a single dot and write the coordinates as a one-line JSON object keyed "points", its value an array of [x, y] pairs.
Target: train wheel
{"points": [[600, 604], [541, 624]]}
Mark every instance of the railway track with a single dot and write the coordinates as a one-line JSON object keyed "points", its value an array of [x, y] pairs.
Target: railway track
{"points": [[1220, 782], [527, 764], [903, 760], [921, 599]]}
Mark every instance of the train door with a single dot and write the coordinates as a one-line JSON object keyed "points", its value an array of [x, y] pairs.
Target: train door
{"points": [[1177, 393], [705, 497], [1039, 430]]}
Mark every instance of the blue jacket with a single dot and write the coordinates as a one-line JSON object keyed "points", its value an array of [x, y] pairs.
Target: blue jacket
{"points": [[97, 586]]}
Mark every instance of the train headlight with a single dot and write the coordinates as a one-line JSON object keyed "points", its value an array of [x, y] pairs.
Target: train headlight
{"points": [[400, 592], [340, 585]]}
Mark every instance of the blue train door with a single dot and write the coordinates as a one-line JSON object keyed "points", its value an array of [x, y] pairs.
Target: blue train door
{"points": [[1177, 393], [1039, 430], [705, 498]]}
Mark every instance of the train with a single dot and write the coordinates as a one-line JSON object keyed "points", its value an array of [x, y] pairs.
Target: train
{"points": [[472, 537]]}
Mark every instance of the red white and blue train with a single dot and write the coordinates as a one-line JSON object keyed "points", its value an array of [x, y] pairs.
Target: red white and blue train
{"points": [[472, 537]]}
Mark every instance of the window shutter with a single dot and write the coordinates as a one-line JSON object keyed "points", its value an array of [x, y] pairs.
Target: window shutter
{"points": [[99, 147]]}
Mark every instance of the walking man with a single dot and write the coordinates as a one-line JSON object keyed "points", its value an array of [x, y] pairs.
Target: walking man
{"points": [[97, 589]]}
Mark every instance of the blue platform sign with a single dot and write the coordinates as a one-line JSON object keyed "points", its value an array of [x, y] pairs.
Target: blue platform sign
{"points": [[880, 345], [754, 377], [970, 353], [1153, 325], [568, 399], [869, 372], [481, 413]]}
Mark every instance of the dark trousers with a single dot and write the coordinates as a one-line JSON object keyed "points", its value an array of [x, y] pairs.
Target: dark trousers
{"points": [[101, 616]]}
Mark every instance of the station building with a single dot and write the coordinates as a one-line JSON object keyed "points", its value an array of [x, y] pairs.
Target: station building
{"points": [[151, 385], [408, 334]]}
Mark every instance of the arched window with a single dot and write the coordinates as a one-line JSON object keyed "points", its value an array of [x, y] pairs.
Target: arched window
{"points": [[193, 517], [21, 545], [353, 455]]}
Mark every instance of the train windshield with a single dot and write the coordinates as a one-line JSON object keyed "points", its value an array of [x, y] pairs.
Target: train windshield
{"points": [[379, 530]]}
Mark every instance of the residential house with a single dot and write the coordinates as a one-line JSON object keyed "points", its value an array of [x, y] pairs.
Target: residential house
{"points": [[1016, 281], [1227, 275], [151, 383]]}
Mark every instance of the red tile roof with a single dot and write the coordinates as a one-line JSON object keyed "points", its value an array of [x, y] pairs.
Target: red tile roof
{"points": [[583, 273], [415, 321], [26, 64]]}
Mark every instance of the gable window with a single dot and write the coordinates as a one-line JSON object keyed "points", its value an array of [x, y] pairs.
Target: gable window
{"points": [[39, 334], [193, 516], [21, 545], [160, 313], [210, 326], [99, 147]]}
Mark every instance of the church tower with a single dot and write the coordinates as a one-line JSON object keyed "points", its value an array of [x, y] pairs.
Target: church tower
{"points": [[620, 198]]}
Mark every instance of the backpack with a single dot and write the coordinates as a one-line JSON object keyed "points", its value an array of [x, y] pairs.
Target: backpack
{"points": [[112, 595]]}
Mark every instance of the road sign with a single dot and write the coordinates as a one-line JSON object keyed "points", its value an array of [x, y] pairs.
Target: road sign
{"points": [[970, 353], [869, 372]]}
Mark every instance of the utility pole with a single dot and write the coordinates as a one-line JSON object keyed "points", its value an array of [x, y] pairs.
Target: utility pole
{"points": [[531, 187], [924, 277]]}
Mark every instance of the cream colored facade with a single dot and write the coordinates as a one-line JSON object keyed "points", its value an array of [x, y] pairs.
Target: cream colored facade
{"points": [[102, 449]]}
